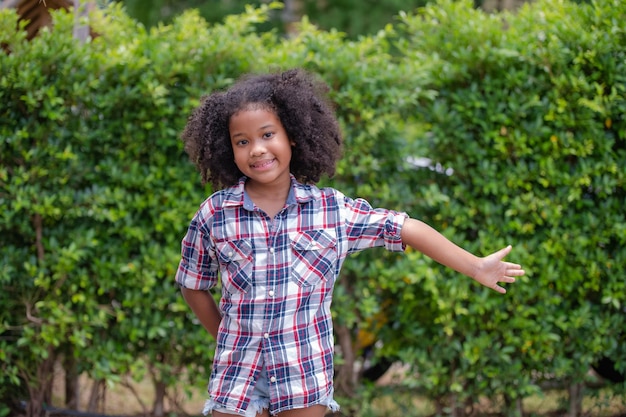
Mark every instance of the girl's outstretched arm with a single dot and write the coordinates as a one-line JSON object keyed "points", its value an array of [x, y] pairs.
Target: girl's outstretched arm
{"points": [[489, 271], [204, 307]]}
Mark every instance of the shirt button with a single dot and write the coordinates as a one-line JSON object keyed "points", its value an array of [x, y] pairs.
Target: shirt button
{"points": [[271, 250], [230, 254], [251, 379], [271, 293], [266, 335], [273, 379]]}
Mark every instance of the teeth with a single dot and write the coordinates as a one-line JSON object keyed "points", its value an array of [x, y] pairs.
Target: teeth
{"points": [[262, 164]]}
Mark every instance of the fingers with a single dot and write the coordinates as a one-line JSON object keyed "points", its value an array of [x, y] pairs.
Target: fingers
{"points": [[499, 289], [504, 251], [508, 278], [504, 279], [505, 272], [513, 270]]}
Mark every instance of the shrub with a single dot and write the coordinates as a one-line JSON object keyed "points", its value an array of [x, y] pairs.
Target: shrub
{"points": [[522, 117]]}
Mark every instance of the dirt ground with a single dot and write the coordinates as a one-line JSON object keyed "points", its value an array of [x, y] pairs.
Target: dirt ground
{"points": [[131, 399]]}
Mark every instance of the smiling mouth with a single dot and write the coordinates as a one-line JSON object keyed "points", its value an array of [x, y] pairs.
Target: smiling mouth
{"points": [[263, 164]]}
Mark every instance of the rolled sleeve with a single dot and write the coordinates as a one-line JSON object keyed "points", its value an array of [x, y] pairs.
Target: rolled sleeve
{"points": [[393, 231], [197, 269], [370, 227]]}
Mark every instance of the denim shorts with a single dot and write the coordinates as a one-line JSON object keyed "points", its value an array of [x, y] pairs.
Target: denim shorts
{"points": [[260, 400]]}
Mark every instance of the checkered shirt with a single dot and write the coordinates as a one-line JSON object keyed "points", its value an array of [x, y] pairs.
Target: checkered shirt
{"points": [[277, 277]]}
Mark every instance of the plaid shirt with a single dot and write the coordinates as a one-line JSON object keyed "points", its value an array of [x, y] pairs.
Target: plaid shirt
{"points": [[277, 280]]}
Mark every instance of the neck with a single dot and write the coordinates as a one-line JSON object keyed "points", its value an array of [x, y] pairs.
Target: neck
{"points": [[270, 198], [274, 190]]}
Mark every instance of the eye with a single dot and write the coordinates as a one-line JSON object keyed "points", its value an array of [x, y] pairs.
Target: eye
{"points": [[241, 142], [268, 135]]}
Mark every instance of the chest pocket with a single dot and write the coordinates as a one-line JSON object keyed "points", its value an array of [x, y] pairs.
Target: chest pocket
{"points": [[314, 256], [236, 264]]}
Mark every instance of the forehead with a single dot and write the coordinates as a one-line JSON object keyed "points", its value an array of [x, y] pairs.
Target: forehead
{"points": [[256, 118]]}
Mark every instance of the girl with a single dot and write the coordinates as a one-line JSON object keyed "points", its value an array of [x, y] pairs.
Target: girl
{"points": [[278, 243]]}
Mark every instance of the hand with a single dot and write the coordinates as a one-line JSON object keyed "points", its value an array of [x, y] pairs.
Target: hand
{"points": [[492, 270]]}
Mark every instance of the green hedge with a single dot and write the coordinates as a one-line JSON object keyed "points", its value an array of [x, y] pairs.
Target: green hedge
{"points": [[531, 118], [521, 115]]}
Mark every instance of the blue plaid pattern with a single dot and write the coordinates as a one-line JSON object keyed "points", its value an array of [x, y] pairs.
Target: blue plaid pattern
{"points": [[277, 277]]}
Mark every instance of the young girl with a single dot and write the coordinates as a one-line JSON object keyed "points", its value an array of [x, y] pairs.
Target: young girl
{"points": [[278, 243]]}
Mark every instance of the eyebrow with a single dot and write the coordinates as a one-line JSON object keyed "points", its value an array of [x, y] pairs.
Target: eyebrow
{"points": [[264, 127]]}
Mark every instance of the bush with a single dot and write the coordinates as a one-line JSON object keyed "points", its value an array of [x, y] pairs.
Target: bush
{"points": [[521, 115], [530, 117]]}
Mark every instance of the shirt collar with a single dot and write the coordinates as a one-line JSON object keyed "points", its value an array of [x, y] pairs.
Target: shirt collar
{"points": [[236, 195]]}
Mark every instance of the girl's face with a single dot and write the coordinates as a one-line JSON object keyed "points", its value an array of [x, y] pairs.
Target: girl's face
{"points": [[261, 147]]}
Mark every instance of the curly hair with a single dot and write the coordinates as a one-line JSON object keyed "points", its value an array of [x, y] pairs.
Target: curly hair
{"points": [[300, 102]]}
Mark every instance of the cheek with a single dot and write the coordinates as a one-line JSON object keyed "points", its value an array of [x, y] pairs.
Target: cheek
{"points": [[238, 157]]}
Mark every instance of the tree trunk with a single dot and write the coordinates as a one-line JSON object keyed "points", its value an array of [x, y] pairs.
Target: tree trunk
{"points": [[72, 392], [575, 400], [346, 377], [292, 13], [81, 31], [458, 408], [439, 407], [97, 396], [40, 386], [159, 400], [514, 408], [499, 5]]}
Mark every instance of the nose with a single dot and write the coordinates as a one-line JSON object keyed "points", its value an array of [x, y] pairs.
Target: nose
{"points": [[258, 148]]}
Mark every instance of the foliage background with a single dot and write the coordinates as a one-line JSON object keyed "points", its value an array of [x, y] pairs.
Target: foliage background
{"points": [[354, 17], [520, 115]]}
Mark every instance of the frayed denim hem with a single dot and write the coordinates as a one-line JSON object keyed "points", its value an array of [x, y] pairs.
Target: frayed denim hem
{"points": [[209, 405], [332, 405], [329, 401], [256, 406]]}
